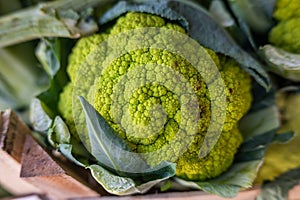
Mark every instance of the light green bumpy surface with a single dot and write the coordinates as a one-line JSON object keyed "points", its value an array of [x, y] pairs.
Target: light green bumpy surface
{"points": [[286, 34], [145, 98], [287, 9]]}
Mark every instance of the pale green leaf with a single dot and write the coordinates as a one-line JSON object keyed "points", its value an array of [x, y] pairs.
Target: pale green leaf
{"points": [[48, 54], [39, 119], [66, 150], [123, 185], [281, 62], [58, 133], [52, 57]]}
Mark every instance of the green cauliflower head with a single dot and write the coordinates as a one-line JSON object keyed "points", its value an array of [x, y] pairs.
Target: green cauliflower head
{"points": [[286, 33], [148, 99]]}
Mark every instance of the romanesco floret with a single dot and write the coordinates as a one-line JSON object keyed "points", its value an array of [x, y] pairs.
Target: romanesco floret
{"points": [[286, 33], [286, 9], [148, 114]]}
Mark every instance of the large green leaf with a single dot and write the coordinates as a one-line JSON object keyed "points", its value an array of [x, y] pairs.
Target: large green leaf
{"points": [[201, 27], [116, 184], [112, 151]]}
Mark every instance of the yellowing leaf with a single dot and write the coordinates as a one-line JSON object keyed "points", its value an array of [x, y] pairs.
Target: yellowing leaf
{"points": [[283, 157]]}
